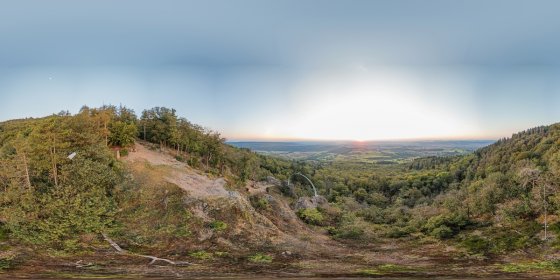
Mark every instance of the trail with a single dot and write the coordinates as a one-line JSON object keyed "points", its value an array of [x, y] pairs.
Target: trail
{"points": [[280, 227], [187, 178]]}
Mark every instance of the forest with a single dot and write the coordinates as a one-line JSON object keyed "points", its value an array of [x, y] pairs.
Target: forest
{"points": [[62, 186]]}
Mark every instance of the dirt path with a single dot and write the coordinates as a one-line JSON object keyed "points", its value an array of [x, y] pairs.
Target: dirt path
{"points": [[198, 185], [316, 250]]}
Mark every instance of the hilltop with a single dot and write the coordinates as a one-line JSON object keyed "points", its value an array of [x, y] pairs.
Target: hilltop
{"points": [[178, 191]]}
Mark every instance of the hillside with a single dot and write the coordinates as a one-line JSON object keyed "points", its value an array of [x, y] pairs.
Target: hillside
{"points": [[179, 192]]}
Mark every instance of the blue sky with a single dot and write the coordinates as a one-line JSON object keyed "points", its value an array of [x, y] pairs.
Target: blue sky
{"points": [[288, 69]]}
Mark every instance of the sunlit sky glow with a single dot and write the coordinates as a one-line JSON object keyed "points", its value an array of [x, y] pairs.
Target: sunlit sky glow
{"points": [[291, 69]]}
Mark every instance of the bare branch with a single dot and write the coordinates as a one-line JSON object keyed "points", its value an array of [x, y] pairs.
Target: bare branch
{"points": [[153, 258]]}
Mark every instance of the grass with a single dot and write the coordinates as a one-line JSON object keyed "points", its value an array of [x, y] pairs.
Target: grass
{"points": [[218, 225], [542, 266], [201, 255], [5, 263], [385, 269], [66, 275], [260, 258], [221, 254]]}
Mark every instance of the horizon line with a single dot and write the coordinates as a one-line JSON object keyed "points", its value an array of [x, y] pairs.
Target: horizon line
{"points": [[287, 140]]}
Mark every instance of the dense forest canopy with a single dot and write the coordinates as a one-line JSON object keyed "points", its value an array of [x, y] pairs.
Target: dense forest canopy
{"points": [[497, 199]]}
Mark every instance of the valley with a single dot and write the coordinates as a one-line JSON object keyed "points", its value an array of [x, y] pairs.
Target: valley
{"points": [[368, 152], [179, 192]]}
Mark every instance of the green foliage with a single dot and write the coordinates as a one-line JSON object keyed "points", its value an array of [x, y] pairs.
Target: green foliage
{"points": [[543, 266], [78, 205], [442, 232], [384, 269], [192, 142], [445, 225], [52, 201], [3, 232], [151, 211], [396, 231], [260, 203], [6, 262], [218, 226], [260, 258], [311, 216], [348, 228], [478, 245], [122, 134], [201, 255]]}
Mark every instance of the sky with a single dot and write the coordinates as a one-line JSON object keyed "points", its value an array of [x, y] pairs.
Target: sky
{"points": [[291, 69]]}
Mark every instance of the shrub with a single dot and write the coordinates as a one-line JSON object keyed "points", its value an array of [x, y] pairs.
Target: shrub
{"points": [[311, 216], [260, 258], [477, 245], [442, 232], [445, 225], [5, 263], [549, 266], [218, 225], [373, 214], [347, 232], [398, 232], [3, 232], [201, 255], [260, 203]]}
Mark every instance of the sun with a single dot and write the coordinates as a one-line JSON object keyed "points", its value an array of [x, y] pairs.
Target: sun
{"points": [[371, 107]]}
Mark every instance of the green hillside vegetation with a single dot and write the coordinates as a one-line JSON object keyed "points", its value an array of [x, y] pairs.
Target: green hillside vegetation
{"points": [[488, 203], [492, 201]]}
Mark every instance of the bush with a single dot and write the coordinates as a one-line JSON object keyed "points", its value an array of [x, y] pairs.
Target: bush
{"points": [[548, 266], [477, 245], [442, 232], [260, 258], [201, 255], [524, 236], [398, 232], [347, 232], [218, 225], [374, 215], [260, 203], [3, 232], [445, 225], [6, 262], [311, 216]]}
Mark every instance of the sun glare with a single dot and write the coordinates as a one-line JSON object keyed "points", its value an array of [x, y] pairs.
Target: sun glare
{"points": [[371, 107]]}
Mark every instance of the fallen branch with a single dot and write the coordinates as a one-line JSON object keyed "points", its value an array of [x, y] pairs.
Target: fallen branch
{"points": [[153, 258], [80, 264]]}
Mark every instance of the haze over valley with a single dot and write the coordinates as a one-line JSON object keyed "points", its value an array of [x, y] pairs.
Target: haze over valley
{"points": [[301, 139]]}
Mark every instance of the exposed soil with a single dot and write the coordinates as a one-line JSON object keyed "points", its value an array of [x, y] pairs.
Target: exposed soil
{"points": [[298, 250], [189, 179]]}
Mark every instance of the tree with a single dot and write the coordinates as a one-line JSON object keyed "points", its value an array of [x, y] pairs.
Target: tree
{"points": [[122, 134]]}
